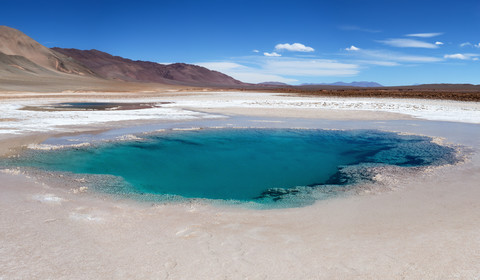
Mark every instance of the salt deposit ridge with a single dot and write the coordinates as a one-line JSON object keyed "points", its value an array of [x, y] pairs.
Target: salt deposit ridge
{"points": [[14, 120]]}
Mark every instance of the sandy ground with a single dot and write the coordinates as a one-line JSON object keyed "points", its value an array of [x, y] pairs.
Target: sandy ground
{"points": [[427, 227]]}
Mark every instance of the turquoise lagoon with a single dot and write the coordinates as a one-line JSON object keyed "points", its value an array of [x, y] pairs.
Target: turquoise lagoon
{"points": [[274, 167]]}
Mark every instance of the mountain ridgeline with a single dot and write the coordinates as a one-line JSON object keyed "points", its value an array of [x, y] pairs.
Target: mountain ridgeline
{"points": [[24, 59], [119, 68], [28, 66], [21, 55]]}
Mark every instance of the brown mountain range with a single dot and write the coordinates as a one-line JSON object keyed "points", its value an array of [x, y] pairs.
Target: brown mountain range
{"points": [[119, 68], [26, 64]]}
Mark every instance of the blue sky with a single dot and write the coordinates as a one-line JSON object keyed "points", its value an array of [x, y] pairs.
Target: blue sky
{"points": [[395, 42]]}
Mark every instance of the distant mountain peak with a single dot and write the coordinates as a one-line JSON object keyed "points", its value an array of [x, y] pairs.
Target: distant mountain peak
{"points": [[351, 84], [272, 83]]}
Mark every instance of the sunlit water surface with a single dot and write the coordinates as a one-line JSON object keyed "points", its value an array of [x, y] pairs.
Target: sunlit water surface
{"points": [[269, 167]]}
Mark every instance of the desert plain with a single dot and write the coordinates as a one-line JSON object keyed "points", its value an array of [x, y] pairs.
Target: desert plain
{"points": [[407, 225]]}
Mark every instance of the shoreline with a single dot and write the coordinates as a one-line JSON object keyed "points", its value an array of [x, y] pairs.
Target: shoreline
{"points": [[427, 227], [377, 181], [188, 106]]}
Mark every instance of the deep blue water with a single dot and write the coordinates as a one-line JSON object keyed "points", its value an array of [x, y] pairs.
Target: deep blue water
{"points": [[259, 165]]}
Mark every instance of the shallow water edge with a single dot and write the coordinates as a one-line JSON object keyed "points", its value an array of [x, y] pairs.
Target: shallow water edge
{"points": [[357, 179]]}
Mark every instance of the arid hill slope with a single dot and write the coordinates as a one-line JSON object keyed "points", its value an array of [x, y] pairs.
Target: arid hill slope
{"points": [[119, 68], [26, 65], [23, 53]]}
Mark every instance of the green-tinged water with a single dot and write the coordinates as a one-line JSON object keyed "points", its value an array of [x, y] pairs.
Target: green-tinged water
{"points": [[259, 165]]}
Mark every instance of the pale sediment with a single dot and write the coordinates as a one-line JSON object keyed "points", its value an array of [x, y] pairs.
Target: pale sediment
{"points": [[428, 228], [176, 107]]}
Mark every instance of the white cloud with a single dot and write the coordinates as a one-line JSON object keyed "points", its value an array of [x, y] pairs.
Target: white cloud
{"points": [[256, 51], [424, 35], [408, 43], [390, 57], [468, 44], [352, 48], [295, 47], [462, 56], [271, 54], [456, 56], [438, 43], [256, 77], [310, 67], [257, 69], [244, 73]]}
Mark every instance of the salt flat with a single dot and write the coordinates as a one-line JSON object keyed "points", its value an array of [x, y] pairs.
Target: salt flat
{"points": [[422, 227], [186, 107]]}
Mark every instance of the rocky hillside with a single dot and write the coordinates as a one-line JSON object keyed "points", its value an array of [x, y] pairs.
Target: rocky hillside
{"points": [[119, 68], [21, 55]]}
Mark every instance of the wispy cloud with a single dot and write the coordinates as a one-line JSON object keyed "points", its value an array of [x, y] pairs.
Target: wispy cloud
{"points": [[310, 67], [295, 47], [408, 43], [271, 54], [245, 73], [462, 56], [399, 57], [256, 51], [358, 28], [390, 58], [424, 35], [352, 48], [257, 69], [438, 43], [468, 44]]}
